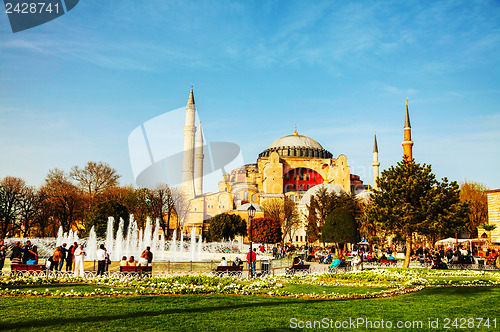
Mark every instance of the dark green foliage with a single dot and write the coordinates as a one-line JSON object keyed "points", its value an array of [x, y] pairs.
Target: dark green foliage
{"points": [[100, 213], [410, 199], [266, 230], [340, 227], [226, 226], [322, 205]]}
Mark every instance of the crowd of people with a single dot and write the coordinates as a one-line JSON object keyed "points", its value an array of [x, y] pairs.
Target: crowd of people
{"points": [[73, 257]]}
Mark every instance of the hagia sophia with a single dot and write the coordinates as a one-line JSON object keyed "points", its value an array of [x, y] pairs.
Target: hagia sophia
{"points": [[293, 167]]}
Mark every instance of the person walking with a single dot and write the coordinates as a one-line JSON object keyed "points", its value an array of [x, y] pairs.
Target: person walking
{"points": [[101, 260], [79, 259]]}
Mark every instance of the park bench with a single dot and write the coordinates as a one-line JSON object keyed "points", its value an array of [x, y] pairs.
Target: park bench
{"points": [[343, 266], [387, 262], [303, 269], [20, 269], [136, 271], [234, 271]]}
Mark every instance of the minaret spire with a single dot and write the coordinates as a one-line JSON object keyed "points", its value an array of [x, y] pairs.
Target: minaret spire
{"points": [[375, 162], [198, 163], [187, 185], [407, 142]]}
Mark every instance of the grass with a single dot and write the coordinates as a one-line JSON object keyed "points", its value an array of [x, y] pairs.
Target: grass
{"points": [[314, 289], [231, 312]]}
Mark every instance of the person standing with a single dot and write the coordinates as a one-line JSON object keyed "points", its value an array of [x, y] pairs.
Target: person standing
{"points": [[56, 257], [101, 260], [3, 254], [69, 257], [79, 259], [64, 254], [251, 260], [17, 254], [26, 252]]}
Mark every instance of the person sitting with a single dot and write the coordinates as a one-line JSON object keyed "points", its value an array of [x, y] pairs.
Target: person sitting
{"points": [[131, 261], [223, 262], [391, 258], [34, 256], [296, 260], [124, 262], [336, 263], [237, 261], [301, 262], [384, 257], [357, 263]]}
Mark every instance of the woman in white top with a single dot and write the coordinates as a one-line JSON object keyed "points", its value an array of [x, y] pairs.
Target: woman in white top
{"points": [[79, 259]]}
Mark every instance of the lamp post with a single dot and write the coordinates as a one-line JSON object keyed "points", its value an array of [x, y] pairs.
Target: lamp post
{"points": [[251, 213]]}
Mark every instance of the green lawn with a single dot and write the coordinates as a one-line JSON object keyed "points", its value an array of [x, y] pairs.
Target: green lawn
{"points": [[237, 313]]}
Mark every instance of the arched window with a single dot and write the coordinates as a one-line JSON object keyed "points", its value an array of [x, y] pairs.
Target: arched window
{"points": [[238, 197], [254, 198], [245, 196]]}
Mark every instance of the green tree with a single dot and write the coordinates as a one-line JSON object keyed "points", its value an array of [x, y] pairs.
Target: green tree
{"points": [[488, 228], [99, 217], [411, 200], [266, 230], [322, 205], [340, 227], [226, 226]]}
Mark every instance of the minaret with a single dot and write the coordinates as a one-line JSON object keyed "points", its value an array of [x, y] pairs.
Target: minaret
{"points": [[375, 162], [407, 143], [198, 164], [187, 185]]}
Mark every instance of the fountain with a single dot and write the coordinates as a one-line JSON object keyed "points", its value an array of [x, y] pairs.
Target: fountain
{"points": [[133, 240]]}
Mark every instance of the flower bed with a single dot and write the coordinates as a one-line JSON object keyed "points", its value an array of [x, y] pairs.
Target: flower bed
{"points": [[397, 282]]}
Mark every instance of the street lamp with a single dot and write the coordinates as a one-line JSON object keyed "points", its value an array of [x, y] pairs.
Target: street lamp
{"points": [[251, 213]]}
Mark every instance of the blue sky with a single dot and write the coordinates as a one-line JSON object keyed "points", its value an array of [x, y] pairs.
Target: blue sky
{"points": [[73, 89]]}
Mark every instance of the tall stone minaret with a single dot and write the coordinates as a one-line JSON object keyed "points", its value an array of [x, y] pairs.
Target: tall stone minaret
{"points": [[407, 143], [375, 162], [198, 164], [187, 182]]}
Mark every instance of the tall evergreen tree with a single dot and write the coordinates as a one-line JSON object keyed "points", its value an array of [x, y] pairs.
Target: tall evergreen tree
{"points": [[411, 200]]}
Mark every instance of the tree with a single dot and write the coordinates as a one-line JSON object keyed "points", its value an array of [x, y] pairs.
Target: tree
{"points": [[475, 194], [226, 226], [266, 230], [29, 204], [98, 217], [322, 205], [317, 211], [411, 200], [489, 228], [11, 190], [163, 204], [285, 211], [64, 198], [94, 179], [340, 227]]}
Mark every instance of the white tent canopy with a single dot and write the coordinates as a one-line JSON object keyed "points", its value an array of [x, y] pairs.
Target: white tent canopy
{"points": [[452, 240]]}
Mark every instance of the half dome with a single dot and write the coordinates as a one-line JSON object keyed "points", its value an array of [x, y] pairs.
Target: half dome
{"points": [[306, 199]]}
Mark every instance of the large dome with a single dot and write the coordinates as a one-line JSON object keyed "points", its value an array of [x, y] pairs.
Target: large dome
{"points": [[296, 141], [297, 146]]}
